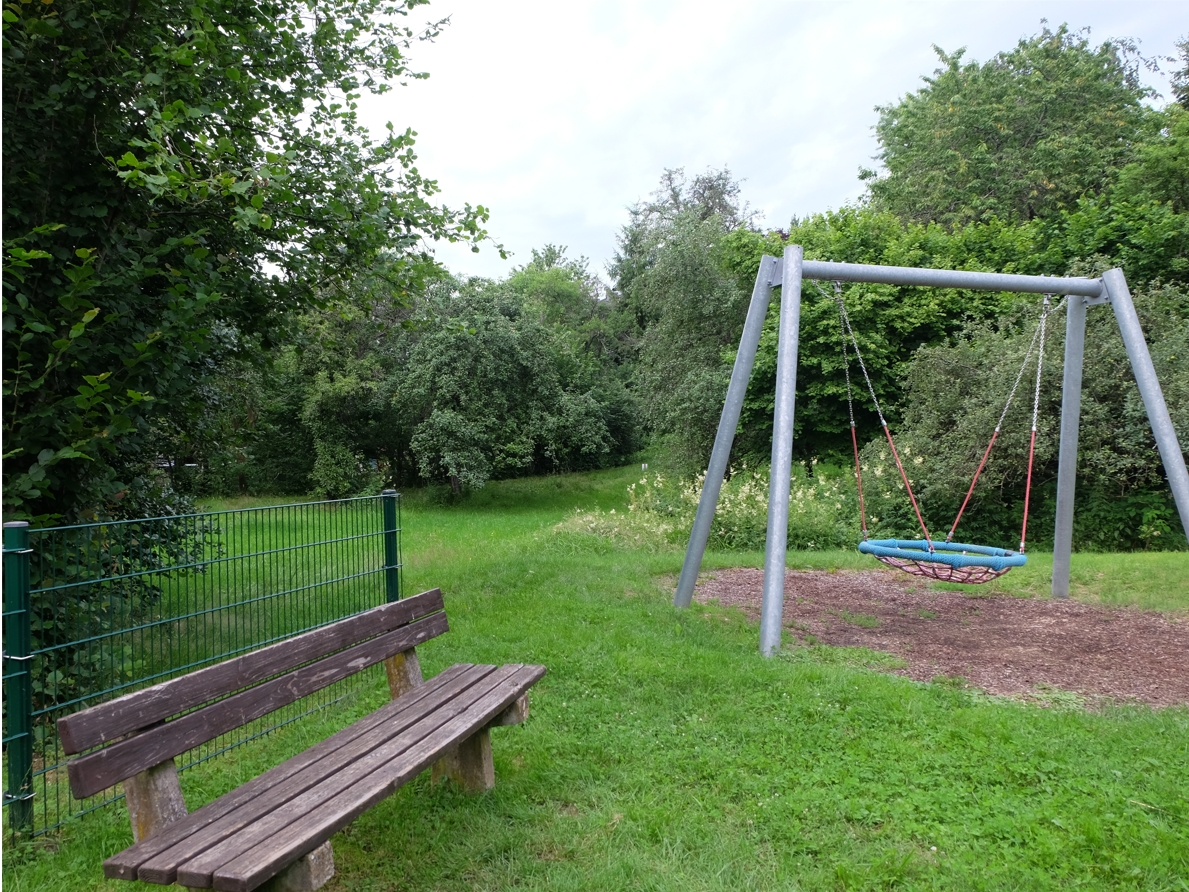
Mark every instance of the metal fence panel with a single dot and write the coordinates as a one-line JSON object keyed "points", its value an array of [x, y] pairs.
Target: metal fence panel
{"points": [[113, 607]]}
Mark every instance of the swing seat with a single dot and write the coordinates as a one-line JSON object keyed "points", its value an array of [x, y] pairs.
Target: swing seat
{"points": [[948, 561]]}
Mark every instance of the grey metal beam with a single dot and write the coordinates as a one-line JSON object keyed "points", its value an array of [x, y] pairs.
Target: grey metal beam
{"points": [[782, 452], [948, 278], [761, 295], [1067, 458], [1149, 389]]}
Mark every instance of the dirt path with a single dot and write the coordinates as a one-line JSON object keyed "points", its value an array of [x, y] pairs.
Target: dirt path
{"points": [[1001, 644]]}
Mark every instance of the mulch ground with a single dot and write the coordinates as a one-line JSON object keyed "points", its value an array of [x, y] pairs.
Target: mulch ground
{"points": [[1003, 645]]}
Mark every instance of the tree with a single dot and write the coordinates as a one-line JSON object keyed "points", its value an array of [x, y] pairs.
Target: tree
{"points": [[1023, 135], [714, 193], [173, 170], [1180, 77], [487, 395]]}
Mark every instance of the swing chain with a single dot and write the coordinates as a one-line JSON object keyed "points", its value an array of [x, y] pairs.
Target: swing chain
{"points": [[850, 405], [1040, 355]]}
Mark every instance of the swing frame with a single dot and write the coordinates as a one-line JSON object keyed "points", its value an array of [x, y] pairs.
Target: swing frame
{"points": [[788, 273]]}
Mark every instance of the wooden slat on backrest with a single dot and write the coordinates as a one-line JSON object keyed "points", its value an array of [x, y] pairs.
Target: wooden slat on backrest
{"points": [[142, 709], [101, 769]]}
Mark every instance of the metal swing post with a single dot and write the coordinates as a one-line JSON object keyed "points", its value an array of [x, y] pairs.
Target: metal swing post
{"points": [[761, 296], [780, 476], [1067, 454]]}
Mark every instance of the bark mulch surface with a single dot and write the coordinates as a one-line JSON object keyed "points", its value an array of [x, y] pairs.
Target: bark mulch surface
{"points": [[1003, 645]]}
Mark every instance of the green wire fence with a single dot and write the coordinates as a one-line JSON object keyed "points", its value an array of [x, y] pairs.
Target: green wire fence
{"points": [[97, 610]]}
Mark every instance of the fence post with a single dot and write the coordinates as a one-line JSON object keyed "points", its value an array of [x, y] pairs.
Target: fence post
{"points": [[390, 498], [18, 685]]}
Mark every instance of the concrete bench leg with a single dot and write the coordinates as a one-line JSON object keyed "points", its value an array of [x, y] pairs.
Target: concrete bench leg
{"points": [[514, 714], [404, 672], [469, 764], [306, 874], [154, 799]]}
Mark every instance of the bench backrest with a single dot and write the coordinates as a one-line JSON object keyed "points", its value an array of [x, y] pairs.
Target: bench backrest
{"points": [[147, 727]]}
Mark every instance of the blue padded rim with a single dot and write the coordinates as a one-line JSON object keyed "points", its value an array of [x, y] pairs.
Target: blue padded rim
{"points": [[952, 554]]}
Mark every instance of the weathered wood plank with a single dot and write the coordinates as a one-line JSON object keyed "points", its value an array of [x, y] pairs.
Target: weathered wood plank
{"points": [[198, 870], [158, 860], [309, 821], [140, 709], [97, 771]]}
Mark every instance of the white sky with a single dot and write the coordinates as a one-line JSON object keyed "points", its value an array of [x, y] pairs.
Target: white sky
{"points": [[558, 114]]}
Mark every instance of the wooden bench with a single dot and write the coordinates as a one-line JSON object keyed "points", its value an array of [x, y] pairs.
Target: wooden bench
{"points": [[279, 824]]}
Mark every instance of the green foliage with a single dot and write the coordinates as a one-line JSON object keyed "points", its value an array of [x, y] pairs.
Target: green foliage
{"points": [[171, 170], [1023, 135], [698, 311], [1180, 77], [484, 388], [823, 513], [477, 379], [1160, 171], [680, 295]]}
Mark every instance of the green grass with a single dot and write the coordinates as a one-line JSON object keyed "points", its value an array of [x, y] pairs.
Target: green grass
{"points": [[663, 752]]}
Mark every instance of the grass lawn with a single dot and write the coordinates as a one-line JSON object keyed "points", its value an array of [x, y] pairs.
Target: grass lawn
{"points": [[664, 753]]}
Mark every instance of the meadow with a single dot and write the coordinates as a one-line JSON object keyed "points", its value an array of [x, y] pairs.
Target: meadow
{"points": [[663, 752]]}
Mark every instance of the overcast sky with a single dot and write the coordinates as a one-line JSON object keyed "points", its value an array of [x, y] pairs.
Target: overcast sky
{"points": [[557, 115]]}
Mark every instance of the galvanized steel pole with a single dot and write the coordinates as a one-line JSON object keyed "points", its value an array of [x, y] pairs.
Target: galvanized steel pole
{"points": [[949, 278], [782, 451], [1149, 389], [1067, 457], [761, 295]]}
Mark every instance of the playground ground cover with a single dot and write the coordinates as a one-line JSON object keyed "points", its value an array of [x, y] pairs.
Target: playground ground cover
{"points": [[664, 753]]}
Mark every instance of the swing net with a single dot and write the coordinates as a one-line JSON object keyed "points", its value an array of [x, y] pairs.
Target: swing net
{"points": [[946, 561]]}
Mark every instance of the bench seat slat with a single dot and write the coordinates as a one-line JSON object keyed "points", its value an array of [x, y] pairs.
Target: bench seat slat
{"points": [[199, 870], [308, 827], [124, 865], [97, 771], [141, 709], [279, 786]]}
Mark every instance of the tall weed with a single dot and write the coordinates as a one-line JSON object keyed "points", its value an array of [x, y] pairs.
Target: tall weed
{"points": [[823, 508]]}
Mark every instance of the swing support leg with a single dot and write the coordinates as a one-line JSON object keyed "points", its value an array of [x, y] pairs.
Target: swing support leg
{"points": [[782, 452], [761, 296], [1067, 456], [1149, 390], [1115, 291]]}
